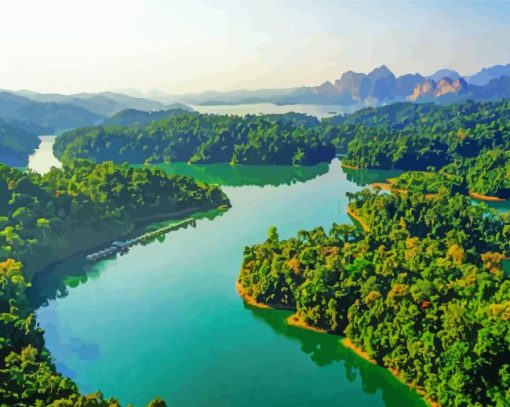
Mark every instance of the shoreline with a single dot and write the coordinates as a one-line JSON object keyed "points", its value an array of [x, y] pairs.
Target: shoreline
{"points": [[350, 167], [298, 322], [386, 186], [487, 198], [295, 321], [346, 342], [248, 298], [101, 241], [252, 301], [358, 219]]}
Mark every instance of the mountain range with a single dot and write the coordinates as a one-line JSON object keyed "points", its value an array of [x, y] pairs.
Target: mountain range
{"points": [[49, 113], [380, 86]]}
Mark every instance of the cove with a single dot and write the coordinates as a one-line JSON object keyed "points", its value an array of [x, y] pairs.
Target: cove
{"points": [[165, 320]]}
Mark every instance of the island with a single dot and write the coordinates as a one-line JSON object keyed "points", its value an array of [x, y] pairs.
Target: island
{"points": [[417, 285], [290, 139]]}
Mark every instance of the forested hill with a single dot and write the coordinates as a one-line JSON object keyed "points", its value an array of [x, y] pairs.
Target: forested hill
{"points": [[46, 218], [41, 217], [201, 138], [471, 140], [421, 289], [16, 144], [133, 117], [411, 136]]}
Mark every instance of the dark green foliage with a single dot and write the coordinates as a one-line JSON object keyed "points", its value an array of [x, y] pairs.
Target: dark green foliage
{"points": [[82, 205], [422, 292], [409, 136], [16, 144], [198, 138], [43, 219], [487, 174], [428, 183]]}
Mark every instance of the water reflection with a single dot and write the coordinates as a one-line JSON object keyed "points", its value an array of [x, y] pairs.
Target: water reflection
{"points": [[365, 177], [241, 175], [55, 280], [324, 350]]}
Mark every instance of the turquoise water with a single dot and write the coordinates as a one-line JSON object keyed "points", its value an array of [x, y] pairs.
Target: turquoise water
{"points": [[165, 320]]}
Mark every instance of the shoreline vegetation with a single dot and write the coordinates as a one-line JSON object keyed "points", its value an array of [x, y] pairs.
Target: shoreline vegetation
{"points": [[296, 321], [358, 219], [350, 167], [85, 205], [195, 138], [287, 271]]}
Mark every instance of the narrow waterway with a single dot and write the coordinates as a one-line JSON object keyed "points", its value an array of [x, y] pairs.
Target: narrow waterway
{"points": [[43, 159], [165, 319]]}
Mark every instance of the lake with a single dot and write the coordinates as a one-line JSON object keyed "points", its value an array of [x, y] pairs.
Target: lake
{"points": [[43, 159], [319, 111], [165, 320]]}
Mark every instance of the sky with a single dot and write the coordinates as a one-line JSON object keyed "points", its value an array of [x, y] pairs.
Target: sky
{"points": [[188, 46]]}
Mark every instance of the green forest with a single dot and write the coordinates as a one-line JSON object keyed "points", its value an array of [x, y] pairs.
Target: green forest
{"points": [[418, 285], [202, 138], [45, 218], [455, 138], [16, 144], [471, 139], [421, 289]]}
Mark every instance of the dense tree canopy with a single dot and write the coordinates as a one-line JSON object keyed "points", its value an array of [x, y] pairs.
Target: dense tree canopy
{"points": [[43, 219], [201, 138], [422, 290], [409, 136], [42, 216]]}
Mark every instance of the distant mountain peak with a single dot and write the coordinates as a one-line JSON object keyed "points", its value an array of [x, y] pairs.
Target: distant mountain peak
{"points": [[432, 89], [444, 73]]}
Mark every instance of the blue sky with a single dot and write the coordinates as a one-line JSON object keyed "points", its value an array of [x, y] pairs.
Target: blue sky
{"points": [[189, 46]]}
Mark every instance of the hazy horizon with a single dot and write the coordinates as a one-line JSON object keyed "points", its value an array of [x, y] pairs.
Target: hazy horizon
{"points": [[190, 47]]}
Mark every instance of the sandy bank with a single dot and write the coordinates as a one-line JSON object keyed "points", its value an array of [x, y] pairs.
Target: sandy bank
{"points": [[358, 351], [485, 197], [297, 321], [357, 218], [351, 167]]}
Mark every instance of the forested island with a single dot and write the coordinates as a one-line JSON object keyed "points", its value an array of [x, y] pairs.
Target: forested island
{"points": [[418, 286], [419, 289], [469, 139], [68, 210], [203, 138]]}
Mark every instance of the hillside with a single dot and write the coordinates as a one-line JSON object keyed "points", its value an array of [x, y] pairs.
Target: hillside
{"points": [[16, 144], [200, 138]]}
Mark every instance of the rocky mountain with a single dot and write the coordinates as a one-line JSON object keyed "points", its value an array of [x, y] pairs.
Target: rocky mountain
{"points": [[377, 87], [407, 83], [431, 89]]}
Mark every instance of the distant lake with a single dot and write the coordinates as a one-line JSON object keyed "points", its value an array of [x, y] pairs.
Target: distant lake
{"points": [[42, 158], [319, 111]]}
